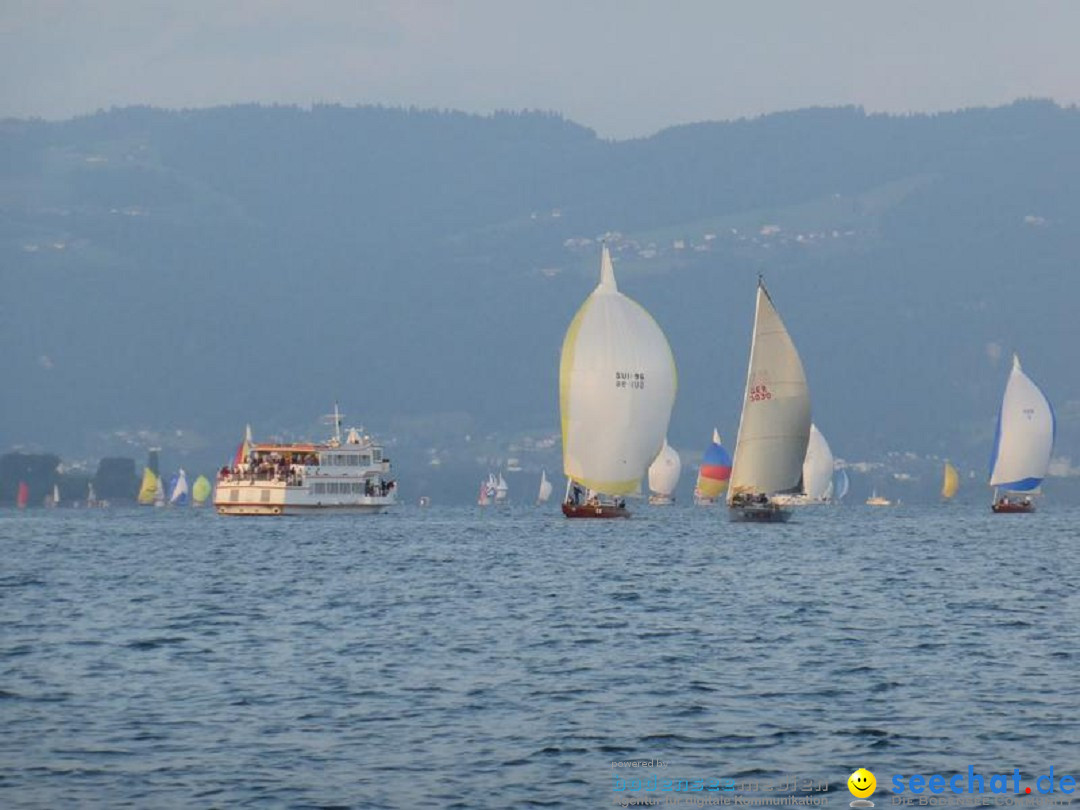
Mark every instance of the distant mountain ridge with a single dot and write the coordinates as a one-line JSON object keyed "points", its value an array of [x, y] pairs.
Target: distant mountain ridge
{"points": [[197, 270]]}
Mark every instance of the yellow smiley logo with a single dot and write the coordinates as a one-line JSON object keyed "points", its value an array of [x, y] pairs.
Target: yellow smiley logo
{"points": [[862, 783]]}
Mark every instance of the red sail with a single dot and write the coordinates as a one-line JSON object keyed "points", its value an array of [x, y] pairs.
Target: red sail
{"points": [[24, 495]]}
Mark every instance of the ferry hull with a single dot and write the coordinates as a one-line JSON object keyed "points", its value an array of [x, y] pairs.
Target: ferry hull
{"points": [[278, 510], [275, 499]]}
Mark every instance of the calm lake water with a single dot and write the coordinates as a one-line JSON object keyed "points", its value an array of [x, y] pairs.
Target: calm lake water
{"points": [[506, 658]]}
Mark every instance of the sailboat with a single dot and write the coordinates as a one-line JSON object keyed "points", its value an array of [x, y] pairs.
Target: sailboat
{"points": [[842, 485], [200, 491], [617, 385], [501, 489], [53, 500], [818, 468], [1023, 443], [178, 489], [545, 489], [22, 497], [487, 491], [817, 473], [774, 428], [664, 476], [714, 473], [92, 498], [149, 488], [950, 482]]}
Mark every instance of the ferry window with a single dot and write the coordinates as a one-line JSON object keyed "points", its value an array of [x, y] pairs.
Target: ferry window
{"points": [[264, 495], [365, 460], [353, 460], [234, 495], [377, 455]]}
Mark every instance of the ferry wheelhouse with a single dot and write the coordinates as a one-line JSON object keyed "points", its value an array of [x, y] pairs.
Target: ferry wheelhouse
{"points": [[350, 476]]}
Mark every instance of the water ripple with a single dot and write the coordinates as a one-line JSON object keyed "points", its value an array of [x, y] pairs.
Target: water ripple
{"points": [[456, 658]]}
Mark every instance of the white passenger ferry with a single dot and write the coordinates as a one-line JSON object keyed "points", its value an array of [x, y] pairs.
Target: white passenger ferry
{"points": [[350, 476]]}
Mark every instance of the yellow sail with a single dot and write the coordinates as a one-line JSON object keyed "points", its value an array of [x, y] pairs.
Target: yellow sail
{"points": [[951, 482], [201, 489], [149, 486]]}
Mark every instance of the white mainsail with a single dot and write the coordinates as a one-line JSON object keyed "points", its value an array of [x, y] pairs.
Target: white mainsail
{"points": [[818, 467], [501, 489], [774, 428], [1025, 435], [617, 385], [664, 471], [545, 488]]}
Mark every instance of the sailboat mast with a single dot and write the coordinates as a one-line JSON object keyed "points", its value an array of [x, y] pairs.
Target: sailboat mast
{"points": [[746, 389]]}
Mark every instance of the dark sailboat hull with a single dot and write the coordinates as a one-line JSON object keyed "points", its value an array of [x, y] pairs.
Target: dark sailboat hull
{"points": [[602, 510], [1011, 508], [767, 513]]}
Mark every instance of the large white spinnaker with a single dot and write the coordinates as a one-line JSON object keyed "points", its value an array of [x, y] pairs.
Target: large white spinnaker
{"points": [[1025, 435], [616, 389], [774, 428]]}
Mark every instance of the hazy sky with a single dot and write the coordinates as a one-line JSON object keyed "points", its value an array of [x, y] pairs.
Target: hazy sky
{"points": [[622, 67]]}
